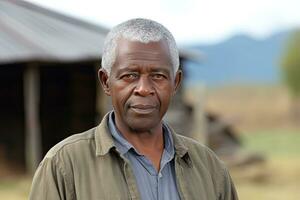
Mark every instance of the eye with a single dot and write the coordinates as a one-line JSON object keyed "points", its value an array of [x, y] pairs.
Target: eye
{"points": [[158, 76], [130, 76]]}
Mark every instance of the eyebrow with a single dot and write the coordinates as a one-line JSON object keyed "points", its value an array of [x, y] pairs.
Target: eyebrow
{"points": [[127, 68], [133, 68], [167, 71]]}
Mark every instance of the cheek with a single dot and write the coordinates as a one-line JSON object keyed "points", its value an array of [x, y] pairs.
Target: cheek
{"points": [[165, 94], [165, 86], [120, 95]]}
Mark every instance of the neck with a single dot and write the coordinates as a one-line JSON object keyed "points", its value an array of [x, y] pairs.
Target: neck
{"points": [[144, 141], [149, 143]]}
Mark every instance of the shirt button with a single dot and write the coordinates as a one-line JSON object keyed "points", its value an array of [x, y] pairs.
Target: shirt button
{"points": [[159, 175]]}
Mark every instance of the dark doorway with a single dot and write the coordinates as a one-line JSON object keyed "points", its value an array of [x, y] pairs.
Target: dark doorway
{"points": [[68, 101], [12, 134]]}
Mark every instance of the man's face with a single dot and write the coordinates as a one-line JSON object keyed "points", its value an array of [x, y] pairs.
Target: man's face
{"points": [[141, 84]]}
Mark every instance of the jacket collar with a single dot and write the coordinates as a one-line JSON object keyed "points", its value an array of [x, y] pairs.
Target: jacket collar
{"points": [[104, 141], [103, 138], [180, 148]]}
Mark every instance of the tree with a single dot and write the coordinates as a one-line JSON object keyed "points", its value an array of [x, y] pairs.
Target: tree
{"points": [[291, 70]]}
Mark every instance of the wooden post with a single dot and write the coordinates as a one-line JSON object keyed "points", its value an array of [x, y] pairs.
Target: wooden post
{"points": [[33, 148], [199, 132]]}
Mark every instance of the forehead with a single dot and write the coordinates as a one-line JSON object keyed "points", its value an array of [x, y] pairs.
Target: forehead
{"points": [[134, 52]]}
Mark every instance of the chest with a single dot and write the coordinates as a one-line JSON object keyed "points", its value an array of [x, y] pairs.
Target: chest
{"points": [[152, 183], [110, 177]]}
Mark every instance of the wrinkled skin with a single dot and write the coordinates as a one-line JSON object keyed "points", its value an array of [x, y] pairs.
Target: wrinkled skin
{"points": [[141, 85]]}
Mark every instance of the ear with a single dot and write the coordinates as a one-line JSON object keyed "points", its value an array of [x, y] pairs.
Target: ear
{"points": [[104, 80], [178, 79]]}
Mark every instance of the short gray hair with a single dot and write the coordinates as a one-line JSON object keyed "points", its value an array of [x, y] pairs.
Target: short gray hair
{"points": [[140, 30]]}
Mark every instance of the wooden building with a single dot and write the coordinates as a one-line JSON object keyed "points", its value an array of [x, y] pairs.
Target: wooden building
{"points": [[48, 84]]}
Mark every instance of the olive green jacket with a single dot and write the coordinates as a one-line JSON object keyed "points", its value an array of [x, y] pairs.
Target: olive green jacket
{"points": [[87, 166]]}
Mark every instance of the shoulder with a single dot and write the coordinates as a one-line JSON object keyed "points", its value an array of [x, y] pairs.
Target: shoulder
{"points": [[205, 161], [54, 176], [60, 159], [195, 149], [201, 154], [194, 146]]}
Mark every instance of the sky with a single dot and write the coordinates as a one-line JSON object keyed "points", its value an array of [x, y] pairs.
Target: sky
{"points": [[202, 21]]}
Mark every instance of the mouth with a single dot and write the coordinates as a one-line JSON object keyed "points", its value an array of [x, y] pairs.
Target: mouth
{"points": [[142, 109]]}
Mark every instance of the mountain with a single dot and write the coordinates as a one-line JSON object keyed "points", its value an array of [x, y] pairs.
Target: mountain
{"points": [[239, 60]]}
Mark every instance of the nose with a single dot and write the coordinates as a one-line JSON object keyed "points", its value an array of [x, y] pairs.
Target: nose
{"points": [[144, 87]]}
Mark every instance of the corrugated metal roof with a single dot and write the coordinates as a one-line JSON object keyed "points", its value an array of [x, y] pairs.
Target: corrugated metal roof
{"points": [[29, 32], [32, 33]]}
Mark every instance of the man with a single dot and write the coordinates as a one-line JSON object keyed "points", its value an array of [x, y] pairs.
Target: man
{"points": [[133, 154]]}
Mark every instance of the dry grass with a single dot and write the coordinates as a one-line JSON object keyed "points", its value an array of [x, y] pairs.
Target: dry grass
{"points": [[248, 107], [278, 179], [15, 188]]}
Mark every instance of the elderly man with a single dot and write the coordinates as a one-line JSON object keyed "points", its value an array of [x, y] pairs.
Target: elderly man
{"points": [[133, 154]]}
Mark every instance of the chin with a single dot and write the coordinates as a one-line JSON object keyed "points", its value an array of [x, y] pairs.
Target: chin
{"points": [[142, 127]]}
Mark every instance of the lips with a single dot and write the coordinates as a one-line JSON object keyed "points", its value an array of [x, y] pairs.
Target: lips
{"points": [[142, 108]]}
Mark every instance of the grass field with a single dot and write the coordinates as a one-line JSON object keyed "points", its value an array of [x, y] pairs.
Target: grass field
{"points": [[277, 179], [15, 188], [249, 108]]}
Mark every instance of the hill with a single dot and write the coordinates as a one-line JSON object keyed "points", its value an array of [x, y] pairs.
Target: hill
{"points": [[240, 59]]}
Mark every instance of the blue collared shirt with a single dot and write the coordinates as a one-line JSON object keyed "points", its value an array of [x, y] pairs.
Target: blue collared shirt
{"points": [[152, 185]]}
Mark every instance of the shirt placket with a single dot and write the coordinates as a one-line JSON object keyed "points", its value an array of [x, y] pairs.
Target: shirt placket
{"points": [[166, 158], [130, 179], [159, 185], [180, 179]]}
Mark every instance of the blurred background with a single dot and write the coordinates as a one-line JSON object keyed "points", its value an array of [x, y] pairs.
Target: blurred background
{"points": [[240, 96]]}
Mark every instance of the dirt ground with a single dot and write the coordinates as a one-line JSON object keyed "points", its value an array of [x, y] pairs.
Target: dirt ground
{"points": [[15, 188], [278, 179]]}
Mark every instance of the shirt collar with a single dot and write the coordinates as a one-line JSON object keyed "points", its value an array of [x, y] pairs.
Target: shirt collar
{"points": [[123, 146], [104, 140]]}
